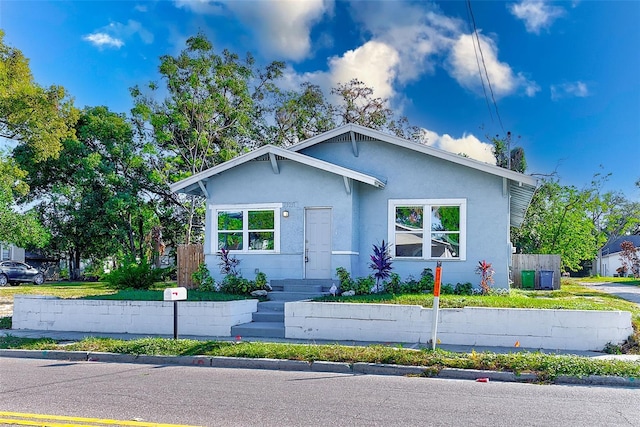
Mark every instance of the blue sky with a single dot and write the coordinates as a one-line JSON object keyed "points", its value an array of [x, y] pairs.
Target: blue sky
{"points": [[565, 75]]}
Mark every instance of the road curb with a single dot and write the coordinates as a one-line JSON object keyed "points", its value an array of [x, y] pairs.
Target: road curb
{"points": [[474, 374], [317, 366]]}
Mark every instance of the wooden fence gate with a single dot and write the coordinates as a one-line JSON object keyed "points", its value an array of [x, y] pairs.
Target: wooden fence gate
{"points": [[189, 259], [537, 263]]}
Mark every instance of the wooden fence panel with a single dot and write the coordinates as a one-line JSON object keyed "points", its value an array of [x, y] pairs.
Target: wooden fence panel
{"points": [[537, 263], [189, 259]]}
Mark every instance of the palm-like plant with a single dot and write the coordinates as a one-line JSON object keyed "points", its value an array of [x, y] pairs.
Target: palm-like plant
{"points": [[381, 263]]}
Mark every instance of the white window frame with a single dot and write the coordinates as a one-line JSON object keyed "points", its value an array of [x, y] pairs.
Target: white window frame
{"points": [[8, 248], [427, 204], [245, 208]]}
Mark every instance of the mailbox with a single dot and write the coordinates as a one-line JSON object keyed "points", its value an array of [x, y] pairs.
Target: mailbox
{"points": [[175, 294]]}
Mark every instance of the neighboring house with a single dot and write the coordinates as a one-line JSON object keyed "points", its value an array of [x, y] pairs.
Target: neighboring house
{"points": [[11, 252], [302, 212], [608, 260]]}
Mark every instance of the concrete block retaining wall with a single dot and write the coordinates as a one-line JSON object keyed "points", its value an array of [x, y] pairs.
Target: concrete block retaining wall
{"points": [[205, 318], [532, 328]]}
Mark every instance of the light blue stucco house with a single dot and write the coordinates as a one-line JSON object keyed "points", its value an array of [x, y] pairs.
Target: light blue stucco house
{"points": [[301, 212]]}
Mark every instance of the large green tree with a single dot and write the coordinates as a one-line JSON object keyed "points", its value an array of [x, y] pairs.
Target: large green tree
{"points": [[19, 228], [557, 222], [30, 114], [213, 109], [37, 119], [102, 195]]}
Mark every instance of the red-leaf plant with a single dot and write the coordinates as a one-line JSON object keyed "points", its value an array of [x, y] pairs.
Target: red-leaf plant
{"points": [[485, 271]]}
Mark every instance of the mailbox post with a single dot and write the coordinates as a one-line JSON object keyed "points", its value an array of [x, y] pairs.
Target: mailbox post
{"points": [[175, 295]]}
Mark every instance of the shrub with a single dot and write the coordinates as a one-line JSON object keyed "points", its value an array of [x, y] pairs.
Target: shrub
{"points": [[135, 275], [380, 263], [426, 280], [447, 289], [238, 285], [228, 262], [394, 285], [485, 271], [346, 282], [364, 285], [261, 280], [464, 289], [202, 279]]}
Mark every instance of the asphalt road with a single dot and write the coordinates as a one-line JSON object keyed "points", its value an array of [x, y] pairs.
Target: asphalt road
{"points": [[238, 397]]}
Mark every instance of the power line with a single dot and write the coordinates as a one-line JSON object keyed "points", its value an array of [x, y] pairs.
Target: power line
{"points": [[475, 33], [475, 51]]}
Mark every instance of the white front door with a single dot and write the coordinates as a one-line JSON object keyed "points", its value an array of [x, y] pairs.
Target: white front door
{"points": [[317, 243]]}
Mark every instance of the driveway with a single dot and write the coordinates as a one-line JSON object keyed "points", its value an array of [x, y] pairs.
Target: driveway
{"points": [[628, 292]]}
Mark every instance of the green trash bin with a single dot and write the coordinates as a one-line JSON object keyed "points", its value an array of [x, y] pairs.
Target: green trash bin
{"points": [[528, 279]]}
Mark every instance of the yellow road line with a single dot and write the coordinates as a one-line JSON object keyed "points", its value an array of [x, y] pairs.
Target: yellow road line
{"points": [[29, 419]]}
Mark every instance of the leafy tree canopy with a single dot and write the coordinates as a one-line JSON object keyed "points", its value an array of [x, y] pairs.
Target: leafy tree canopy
{"points": [[30, 114]]}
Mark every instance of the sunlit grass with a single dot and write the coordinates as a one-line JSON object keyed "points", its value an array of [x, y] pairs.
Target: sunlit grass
{"points": [[545, 366]]}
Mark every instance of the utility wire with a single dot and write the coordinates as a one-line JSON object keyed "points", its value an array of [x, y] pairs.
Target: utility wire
{"points": [[475, 51], [475, 32]]}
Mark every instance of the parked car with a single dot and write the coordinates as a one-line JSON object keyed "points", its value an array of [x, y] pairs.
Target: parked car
{"points": [[14, 273]]}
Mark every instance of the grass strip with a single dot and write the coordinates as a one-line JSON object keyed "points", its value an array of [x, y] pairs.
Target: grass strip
{"points": [[546, 366]]}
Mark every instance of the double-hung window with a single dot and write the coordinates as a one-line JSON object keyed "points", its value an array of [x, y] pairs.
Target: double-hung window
{"points": [[248, 228], [428, 228]]}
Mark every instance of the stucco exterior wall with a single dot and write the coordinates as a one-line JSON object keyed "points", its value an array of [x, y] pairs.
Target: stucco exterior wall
{"points": [[361, 218], [411, 175], [296, 187]]}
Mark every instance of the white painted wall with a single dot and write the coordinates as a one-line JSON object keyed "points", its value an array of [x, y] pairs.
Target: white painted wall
{"points": [[543, 329], [204, 318]]}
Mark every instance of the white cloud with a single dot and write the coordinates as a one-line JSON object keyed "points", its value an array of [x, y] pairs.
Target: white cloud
{"points": [[102, 40], [426, 39], [466, 64], [536, 14], [569, 90], [373, 63], [282, 27], [467, 144], [114, 34]]}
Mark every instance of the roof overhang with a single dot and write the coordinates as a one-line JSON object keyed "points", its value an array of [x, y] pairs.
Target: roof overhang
{"points": [[520, 187], [196, 184]]}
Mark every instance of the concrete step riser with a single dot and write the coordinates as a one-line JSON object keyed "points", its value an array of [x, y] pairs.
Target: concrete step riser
{"points": [[271, 306], [297, 288], [291, 296], [268, 316], [257, 330]]}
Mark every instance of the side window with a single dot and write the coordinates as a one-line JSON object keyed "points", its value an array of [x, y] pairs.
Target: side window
{"points": [[428, 228], [247, 229]]}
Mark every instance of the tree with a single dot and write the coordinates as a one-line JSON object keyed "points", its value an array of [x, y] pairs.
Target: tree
{"points": [[302, 115], [32, 115], [630, 257], [100, 197], [507, 157], [214, 110], [557, 222], [22, 229]]}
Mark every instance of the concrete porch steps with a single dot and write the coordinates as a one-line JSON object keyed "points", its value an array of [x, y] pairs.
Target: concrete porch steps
{"points": [[268, 321]]}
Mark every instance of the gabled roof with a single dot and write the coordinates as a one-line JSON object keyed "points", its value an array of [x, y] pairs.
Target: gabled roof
{"points": [[615, 246], [521, 187], [195, 184]]}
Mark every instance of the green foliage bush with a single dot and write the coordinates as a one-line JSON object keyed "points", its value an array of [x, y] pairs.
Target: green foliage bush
{"points": [[135, 275], [394, 284], [238, 285], [346, 282], [363, 285], [203, 280]]}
